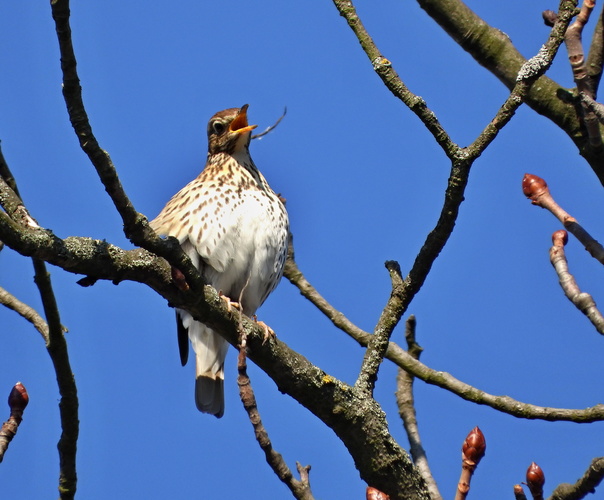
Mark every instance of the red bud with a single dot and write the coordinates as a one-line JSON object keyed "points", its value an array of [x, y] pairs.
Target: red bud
{"points": [[18, 398], [535, 476], [533, 186], [474, 447], [560, 238]]}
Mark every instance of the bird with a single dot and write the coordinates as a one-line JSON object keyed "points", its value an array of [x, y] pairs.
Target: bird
{"points": [[235, 230]]}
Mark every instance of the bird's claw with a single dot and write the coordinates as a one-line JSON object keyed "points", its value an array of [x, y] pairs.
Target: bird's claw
{"points": [[268, 331], [229, 303]]}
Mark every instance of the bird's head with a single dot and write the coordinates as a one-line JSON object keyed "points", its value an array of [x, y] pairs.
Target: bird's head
{"points": [[228, 131]]}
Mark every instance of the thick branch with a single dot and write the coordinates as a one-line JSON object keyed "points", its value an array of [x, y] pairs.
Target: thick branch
{"points": [[359, 422]]}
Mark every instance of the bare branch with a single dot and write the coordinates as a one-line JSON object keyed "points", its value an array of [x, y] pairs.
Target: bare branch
{"points": [[583, 301], [536, 190], [299, 488], [406, 410], [584, 486], [360, 423], [444, 380], [17, 401]]}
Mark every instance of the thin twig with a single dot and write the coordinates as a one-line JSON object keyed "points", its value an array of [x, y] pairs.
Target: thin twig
{"points": [[441, 379], [17, 401], [406, 410], [535, 189], [272, 127], [582, 300], [27, 312], [299, 488], [584, 486]]}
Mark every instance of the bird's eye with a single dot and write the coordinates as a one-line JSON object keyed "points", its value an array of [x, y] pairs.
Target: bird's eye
{"points": [[218, 127]]}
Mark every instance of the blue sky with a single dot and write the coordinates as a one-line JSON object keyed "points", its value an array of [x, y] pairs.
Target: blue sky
{"points": [[364, 183]]}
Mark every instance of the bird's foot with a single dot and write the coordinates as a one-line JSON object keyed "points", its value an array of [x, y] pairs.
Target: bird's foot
{"points": [[268, 331], [229, 303]]}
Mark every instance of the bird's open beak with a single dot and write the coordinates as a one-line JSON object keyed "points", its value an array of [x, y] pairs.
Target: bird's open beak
{"points": [[239, 124]]}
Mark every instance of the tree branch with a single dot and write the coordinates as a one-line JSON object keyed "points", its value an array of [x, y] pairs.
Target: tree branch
{"points": [[444, 380], [360, 423], [582, 300], [584, 486], [494, 50], [299, 488]]}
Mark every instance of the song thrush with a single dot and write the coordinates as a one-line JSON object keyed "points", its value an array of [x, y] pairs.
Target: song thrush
{"points": [[235, 229]]}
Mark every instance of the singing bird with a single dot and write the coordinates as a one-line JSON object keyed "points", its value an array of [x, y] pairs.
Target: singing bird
{"points": [[235, 229]]}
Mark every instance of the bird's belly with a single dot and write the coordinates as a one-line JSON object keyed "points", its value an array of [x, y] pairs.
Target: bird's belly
{"points": [[247, 261]]}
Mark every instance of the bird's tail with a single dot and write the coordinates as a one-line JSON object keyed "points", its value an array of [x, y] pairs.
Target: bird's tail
{"points": [[209, 392], [210, 352]]}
